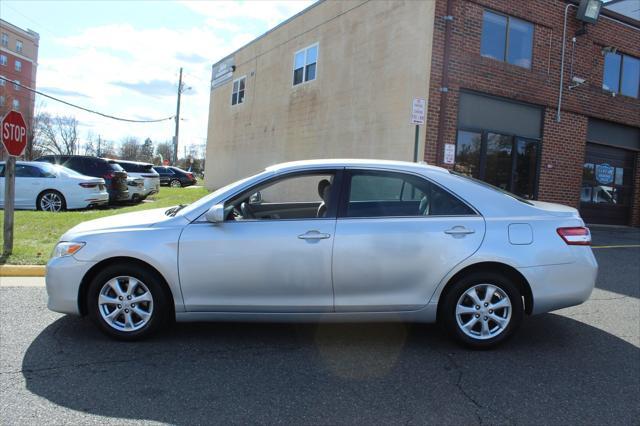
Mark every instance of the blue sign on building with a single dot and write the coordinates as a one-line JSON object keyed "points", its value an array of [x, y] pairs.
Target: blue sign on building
{"points": [[604, 173]]}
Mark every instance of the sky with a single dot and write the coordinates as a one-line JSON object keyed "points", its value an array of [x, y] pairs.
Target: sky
{"points": [[123, 58]]}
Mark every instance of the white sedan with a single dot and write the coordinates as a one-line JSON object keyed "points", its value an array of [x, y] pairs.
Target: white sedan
{"points": [[49, 187]]}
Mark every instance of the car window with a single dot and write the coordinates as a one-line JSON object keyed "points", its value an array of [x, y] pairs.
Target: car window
{"points": [[115, 166], [1, 171], [26, 171], [74, 163], [297, 196], [388, 194], [48, 170]]}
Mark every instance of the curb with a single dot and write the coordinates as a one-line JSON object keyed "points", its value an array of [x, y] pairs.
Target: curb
{"points": [[22, 270]]}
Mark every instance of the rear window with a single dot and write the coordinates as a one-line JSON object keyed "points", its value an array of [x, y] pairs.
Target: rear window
{"points": [[488, 185], [136, 168], [115, 166]]}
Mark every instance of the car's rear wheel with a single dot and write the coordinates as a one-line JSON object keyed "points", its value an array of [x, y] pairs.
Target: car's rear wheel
{"points": [[127, 302], [482, 310], [51, 201], [175, 183]]}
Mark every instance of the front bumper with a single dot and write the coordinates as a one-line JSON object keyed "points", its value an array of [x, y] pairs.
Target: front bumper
{"points": [[63, 278], [560, 286]]}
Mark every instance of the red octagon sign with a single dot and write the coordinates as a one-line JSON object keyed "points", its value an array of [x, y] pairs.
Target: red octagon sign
{"points": [[14, 133]]}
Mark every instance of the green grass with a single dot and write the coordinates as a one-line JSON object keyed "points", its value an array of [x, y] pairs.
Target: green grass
{"points": [[36, 233]]}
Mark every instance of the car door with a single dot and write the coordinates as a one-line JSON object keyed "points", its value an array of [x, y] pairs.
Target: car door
{"points": [[397, 235], [253, 263], [29, 184]]}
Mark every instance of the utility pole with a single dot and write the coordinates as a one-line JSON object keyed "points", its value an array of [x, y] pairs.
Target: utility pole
{"points": [[175, 137], [99, 143]]}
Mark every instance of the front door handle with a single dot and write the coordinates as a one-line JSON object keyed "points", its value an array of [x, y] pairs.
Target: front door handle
{"points": [[314, 235], [459, 231]]}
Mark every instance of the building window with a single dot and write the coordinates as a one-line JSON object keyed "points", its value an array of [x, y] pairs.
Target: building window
{"points": [[18, 46], [3, 60], [5, 40], [16, 104], [2, 77], [621, 74], [18, 65], [237, 94], [507, 39], [1, 101], [16, 85], [305, 64]]}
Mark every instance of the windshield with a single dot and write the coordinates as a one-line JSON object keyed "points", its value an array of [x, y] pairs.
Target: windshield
{"points": [[207, 198], [495, 188]]}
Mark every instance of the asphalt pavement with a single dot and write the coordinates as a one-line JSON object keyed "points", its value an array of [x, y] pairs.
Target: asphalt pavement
{"points": [[575, 366]]}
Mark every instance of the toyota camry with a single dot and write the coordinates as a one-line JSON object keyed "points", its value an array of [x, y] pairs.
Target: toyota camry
{"points": [[330, 240]]}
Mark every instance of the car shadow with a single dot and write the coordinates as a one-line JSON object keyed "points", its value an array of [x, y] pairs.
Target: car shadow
{"points": [[555, 370]]}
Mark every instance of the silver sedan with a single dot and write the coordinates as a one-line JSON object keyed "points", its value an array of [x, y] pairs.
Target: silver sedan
{"points": [[330, 240]]}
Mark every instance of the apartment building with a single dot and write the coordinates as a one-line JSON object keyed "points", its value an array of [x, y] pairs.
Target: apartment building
{"points": [[18, 63]]}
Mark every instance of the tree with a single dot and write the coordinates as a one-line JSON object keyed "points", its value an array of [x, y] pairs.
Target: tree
{"points": [[90, 147], [146, 152], [165, 150], [130, 149], [56, 134], [107, 149]]}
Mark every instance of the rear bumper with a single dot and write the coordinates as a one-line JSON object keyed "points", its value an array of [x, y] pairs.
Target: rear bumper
{"points": [[560, 286], [63, 278]]}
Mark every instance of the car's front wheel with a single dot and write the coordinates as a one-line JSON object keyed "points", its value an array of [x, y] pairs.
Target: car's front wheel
{"points": [[127, 302], [482, 310]]}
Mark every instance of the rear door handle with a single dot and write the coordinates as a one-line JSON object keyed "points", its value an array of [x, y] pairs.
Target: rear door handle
{"points": [[460, 231], [314, 235]]}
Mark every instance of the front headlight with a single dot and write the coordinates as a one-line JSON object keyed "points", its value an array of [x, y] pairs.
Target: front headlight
{"points": [[66, 249]]}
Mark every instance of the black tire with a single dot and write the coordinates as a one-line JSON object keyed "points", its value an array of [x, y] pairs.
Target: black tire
{"points": [[51, 193], [175, 183], [153, 282], [448, 317]]}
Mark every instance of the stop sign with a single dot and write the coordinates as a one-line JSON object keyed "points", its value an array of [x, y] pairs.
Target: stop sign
{"points": [[13, 131]]}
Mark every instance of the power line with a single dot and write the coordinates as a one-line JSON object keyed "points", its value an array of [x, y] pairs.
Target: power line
{"points": [[83, 108]]}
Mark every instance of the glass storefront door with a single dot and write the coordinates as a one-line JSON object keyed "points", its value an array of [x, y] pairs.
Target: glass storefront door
{"points": [[506, 161]]}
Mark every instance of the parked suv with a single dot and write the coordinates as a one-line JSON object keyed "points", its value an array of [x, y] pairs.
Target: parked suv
{"points": [[114, 176], [145, 171], [174, 176]]}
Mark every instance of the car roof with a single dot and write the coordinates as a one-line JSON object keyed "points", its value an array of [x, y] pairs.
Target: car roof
{"points": [[352, 162], [139, 163]]}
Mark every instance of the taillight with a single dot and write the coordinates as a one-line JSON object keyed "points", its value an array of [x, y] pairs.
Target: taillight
{"points": [[109, 175], [575, 236], [190, 176], [88, 185]]}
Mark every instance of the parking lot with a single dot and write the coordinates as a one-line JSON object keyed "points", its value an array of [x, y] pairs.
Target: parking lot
{"points": [[577, 365]]}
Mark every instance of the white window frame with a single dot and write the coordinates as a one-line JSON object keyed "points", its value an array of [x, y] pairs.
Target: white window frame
{"points": [[17, 65], [2, 81], [3, 60], [293, 65], [15, 86], [244, 77], [15, 104], [5, 39], [19, 46]]}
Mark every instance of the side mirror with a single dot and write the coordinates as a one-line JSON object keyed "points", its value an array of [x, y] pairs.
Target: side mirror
{"points": [[255, 198], [215, 214]]}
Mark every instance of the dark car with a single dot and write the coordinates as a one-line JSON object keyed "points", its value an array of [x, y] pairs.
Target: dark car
{"points": [[175, 177], [114, 176]]}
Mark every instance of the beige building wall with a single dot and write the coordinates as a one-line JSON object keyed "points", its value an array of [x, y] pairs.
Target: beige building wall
{"points": [[374, 58]]}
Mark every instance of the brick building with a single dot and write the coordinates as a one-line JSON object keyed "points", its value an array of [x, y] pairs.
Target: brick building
{"points": [[18, 62], [492, 84], [500, 104]]}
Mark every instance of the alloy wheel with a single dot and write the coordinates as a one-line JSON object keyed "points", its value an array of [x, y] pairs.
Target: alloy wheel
{"points": [[51, 202], [175, 184], [125, 303], [483, 311]]}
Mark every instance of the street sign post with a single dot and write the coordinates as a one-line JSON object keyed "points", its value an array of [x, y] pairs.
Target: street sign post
{"points": [[418, 109], [13, 132]]}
